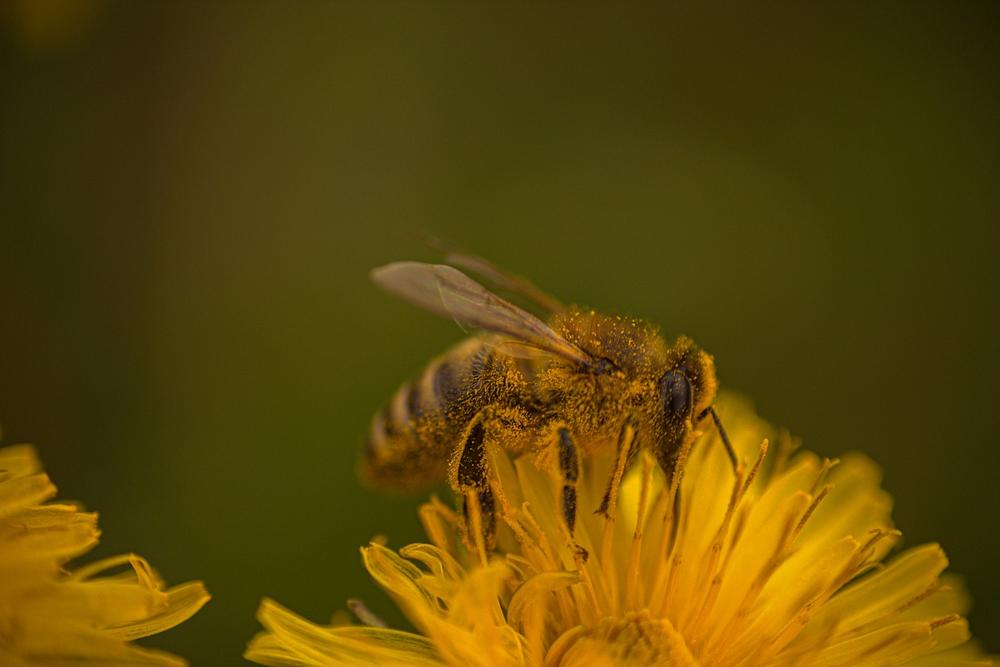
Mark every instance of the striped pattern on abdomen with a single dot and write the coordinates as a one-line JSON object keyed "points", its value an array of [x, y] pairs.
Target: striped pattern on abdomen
{"points": [[410, 440]]}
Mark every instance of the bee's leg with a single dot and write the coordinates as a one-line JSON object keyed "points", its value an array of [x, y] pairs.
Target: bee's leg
{"points": [[710, 410], [569, 467], [474, 484], [626, 450]]}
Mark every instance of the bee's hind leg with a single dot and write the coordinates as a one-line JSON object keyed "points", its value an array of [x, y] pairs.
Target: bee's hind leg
{"points": [[569, 469], [473, 482]]}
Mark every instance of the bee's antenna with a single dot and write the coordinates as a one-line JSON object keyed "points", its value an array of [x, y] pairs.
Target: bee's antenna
{"points": [[710, 410]]}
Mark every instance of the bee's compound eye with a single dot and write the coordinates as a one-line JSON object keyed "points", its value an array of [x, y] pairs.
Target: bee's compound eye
{"points": [[675, 390]]}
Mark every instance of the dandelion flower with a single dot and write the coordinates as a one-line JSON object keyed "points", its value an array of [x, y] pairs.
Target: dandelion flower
{"points": [[84, 616], [780, 563]]}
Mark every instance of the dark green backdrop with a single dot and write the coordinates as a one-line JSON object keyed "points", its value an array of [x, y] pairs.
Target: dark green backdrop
{"points": [[192, 195]]}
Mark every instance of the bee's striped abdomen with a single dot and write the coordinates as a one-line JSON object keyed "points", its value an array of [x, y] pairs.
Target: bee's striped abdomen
{"points": [[410, 439]]}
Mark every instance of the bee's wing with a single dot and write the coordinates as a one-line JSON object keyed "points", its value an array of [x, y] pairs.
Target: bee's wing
{"points": [[502, 279], [446, 291], [494, 275]]}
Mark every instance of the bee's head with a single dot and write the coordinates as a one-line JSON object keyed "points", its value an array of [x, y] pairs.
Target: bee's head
{"points": [[686, 388]]}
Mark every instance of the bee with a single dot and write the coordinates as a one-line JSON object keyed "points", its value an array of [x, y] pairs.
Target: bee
{"points": [[562, 389]]}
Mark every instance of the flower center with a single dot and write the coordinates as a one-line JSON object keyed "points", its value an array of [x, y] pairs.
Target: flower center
{"points": [[635, 639]]}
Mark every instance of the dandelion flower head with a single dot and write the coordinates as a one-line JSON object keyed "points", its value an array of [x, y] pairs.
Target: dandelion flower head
{"points": [[784, 562]]}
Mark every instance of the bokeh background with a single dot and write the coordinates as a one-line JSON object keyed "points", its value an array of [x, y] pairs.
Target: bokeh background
{"points": [[192, 195]]}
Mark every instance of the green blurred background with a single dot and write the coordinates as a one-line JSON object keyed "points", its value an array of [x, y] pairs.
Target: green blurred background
{"points": [[192, 195]]}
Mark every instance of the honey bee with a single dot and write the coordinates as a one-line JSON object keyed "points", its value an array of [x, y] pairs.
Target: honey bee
{"points": [[560, 390]]}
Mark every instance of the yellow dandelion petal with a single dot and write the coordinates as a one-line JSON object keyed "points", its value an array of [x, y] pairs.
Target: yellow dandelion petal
{"points": [[53, 616], [291, 640], [782, 563]]}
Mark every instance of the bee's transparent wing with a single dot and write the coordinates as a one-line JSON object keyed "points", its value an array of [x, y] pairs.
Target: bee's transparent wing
{"points": [[494, 275], [446, 291]]}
